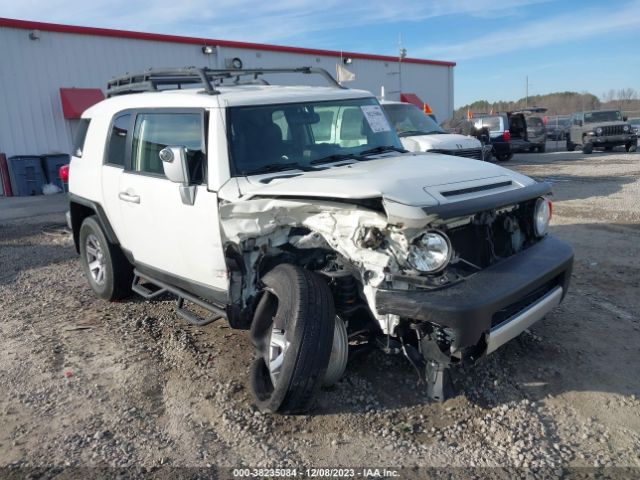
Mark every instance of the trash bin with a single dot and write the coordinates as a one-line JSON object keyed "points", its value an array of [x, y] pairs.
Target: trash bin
{"points": [[51, 165], [27, 176]]}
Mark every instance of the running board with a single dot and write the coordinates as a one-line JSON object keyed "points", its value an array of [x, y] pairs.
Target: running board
{"points": [[188, 315]]}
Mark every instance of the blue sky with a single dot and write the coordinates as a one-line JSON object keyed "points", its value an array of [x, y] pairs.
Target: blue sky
{"points": [[579, 45]]}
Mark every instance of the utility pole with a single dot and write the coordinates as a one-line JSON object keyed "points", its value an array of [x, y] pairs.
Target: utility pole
{"points": [[402, 54], [526, 92]]}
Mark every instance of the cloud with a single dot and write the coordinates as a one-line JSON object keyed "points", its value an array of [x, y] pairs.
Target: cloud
{"points": [[249, 20], [554, 31]]}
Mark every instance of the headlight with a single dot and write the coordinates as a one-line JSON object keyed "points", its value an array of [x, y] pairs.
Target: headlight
{"points": [[625, 128], [542, 216], [430, 252], [599, 131]]}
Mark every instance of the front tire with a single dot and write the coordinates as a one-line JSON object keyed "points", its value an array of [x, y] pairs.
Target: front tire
{"points": [[108, 271], [293, 332], [631, 147], [587, 147]]}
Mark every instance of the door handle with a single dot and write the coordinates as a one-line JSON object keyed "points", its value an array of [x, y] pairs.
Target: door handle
{"points": [[124, 196]]}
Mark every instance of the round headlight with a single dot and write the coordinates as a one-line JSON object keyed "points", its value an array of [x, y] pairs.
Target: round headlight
{"points": [[542, 216], [625, 128], [430, 252], [599, 131]]}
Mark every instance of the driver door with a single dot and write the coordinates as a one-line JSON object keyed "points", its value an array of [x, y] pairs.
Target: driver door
{"points": [[176, 242]]}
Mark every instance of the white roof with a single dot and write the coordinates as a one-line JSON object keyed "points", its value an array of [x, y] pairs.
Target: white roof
{"points": [[228, 96]]}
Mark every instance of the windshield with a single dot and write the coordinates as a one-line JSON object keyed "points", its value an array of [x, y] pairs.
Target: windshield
{"points": [[270, 138], [410, 120], [597, 117]]}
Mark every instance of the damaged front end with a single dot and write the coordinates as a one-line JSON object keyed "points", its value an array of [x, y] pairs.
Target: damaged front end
{"points": [[428, 283]]}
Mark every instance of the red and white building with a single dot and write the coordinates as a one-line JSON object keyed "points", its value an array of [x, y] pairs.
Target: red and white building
{"points": [[50, 73]]}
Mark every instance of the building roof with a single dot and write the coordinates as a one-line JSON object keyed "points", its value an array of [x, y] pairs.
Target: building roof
{"points": [[108, 32]]}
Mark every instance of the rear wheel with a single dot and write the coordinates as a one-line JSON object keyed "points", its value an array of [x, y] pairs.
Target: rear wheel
{"points": [[293, 332], [108, 271], [570, 145], [504, 158]]}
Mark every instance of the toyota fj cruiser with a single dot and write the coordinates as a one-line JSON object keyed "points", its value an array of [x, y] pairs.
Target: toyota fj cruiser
{"points": [[293, 212], [600, 129]]}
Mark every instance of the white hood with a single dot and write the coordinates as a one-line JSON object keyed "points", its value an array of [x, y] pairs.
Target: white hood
{"points": [[441, 141], [409, 179]]}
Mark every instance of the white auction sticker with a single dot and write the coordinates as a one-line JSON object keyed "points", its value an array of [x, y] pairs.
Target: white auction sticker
{"points": [[375, 118]]}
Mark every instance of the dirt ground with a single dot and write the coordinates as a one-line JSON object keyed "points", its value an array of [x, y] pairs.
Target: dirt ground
{"points": [[130, 389]]}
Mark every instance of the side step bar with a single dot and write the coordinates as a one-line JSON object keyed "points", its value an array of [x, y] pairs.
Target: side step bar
{"points": [[191, 317]]}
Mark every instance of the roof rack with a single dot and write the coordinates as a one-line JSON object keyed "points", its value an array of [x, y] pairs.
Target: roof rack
{"points": [[176, 78]]}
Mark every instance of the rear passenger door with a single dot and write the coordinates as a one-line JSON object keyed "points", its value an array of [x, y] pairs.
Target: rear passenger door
{"points": [[176, 242]]}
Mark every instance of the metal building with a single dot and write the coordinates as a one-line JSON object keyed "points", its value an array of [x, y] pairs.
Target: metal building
{"points": [[50, 73]]}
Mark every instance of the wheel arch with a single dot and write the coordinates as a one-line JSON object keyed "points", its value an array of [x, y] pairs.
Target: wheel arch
{"points": [[81, 208]]}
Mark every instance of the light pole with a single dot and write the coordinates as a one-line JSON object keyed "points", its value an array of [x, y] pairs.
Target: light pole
{"points": [[402, 55]]}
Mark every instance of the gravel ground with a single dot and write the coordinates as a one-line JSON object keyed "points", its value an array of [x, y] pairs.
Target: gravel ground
{"points": [[122, 386]]}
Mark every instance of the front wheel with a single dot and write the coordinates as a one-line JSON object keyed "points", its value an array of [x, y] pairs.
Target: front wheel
{"points": [[631, 147], [587, 147], [292, 331], [108, 271]]}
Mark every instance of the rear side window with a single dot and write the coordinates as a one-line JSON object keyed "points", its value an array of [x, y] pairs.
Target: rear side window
{"points": [[492, 123], [118, 139], [81, 135], [155, 131]]}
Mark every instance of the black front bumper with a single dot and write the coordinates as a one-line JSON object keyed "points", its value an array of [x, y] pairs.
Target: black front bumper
{"points": [[472, 307], [612, 140]]}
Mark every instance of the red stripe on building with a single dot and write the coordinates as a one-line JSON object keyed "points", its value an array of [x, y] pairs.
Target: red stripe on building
{"points": [[157, 37]]}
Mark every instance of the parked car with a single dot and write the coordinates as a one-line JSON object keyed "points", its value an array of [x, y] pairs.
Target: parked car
{"points": [[600, 129], [635, 125], [418, 132], [536, 133], [557, 127], [500, 136], [295, 213]]}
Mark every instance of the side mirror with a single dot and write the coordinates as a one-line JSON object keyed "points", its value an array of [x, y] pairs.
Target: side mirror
{"points": [[174, 164], [624, 119]]}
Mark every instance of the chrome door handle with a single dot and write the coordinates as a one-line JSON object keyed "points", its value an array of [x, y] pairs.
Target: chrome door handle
{"points": [[128, 197]]}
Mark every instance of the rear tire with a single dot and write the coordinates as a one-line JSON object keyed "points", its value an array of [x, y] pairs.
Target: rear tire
{"points": [[570, 145], [293, 332], [504, 158], [105, 266]]}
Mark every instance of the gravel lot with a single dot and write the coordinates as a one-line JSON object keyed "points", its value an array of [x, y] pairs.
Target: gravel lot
{"points": [[111, 386]]}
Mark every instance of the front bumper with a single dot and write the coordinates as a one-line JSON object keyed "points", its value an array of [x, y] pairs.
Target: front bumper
{"points": [[612, 140], [484, 306]]}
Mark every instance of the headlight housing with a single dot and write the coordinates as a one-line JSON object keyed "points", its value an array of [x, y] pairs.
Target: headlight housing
{"points": [[626, 128], [430, 252], [599, 131], [542, 217]]}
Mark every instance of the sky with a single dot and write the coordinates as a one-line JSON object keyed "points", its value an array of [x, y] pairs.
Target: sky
{"points": [[578, 45]]}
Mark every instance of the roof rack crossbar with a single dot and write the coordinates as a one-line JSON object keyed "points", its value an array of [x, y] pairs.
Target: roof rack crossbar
{"points": [[209, 78]]}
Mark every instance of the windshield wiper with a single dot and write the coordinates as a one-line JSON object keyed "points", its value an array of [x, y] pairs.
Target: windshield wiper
{"points": [[382, 149], [335, 158], [278, 167]]}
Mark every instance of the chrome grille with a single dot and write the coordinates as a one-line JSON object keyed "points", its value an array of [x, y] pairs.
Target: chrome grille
{"points": [[467, 153]]}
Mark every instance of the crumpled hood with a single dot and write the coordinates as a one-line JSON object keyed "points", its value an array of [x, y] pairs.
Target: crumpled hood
{"points": [[409, 179], [449, 141]]}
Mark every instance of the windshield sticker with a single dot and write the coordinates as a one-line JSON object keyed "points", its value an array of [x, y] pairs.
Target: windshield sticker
{"points": [[375, 118]]}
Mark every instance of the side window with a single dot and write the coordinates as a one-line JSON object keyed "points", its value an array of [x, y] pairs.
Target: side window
{"points": [[80, 137], [352, 128], [118, 140], [280, 120], [154, 131], [322, 129]]}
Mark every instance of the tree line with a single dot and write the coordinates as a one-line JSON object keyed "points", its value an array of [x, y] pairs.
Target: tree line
{"points": [[560, 103]]}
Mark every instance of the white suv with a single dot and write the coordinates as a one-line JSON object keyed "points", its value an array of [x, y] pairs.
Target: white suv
{"points": [[293, 211], [419, 132]]}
